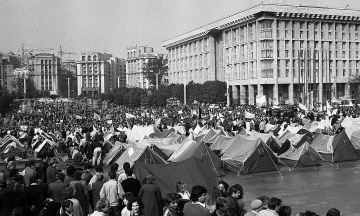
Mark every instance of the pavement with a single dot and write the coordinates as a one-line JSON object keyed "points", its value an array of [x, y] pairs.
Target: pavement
{"points": [[313, 188]]}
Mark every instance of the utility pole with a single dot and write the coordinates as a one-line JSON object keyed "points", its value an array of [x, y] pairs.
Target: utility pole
{"points": [[68, 80], [227, 91], [24, 86], [157, 81], [184, 89]]}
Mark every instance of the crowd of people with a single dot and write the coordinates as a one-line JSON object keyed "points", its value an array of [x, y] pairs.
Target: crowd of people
{"points": [[83, 187]]}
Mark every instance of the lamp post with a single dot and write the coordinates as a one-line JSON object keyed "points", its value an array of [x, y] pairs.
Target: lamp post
{"points": [[68, 80]]}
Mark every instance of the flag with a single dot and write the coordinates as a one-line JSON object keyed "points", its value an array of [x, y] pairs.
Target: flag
{"points": [[108, 135], [261, 100], [93, 132], [97, 117], [128, 115], [249, 115], [78, 117]]}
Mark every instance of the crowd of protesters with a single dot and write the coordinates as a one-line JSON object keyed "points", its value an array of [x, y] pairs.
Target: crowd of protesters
{"points": [[83, 188]]}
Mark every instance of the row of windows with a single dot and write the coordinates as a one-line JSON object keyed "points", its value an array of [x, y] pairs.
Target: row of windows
{"points": [[191, 48], [45, 61], [191, 62], [195, 75], [89, 58]]}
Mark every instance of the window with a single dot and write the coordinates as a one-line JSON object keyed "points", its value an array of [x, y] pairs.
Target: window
{"points": [[266, 24]]}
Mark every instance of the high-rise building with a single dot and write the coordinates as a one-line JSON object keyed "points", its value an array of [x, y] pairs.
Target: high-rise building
{"points": [[8, 62], [45, 70], [137, 57], [99, 73], [280, 51]]}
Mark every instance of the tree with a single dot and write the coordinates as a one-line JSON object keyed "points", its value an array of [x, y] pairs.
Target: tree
{"points": [[153, 67]]}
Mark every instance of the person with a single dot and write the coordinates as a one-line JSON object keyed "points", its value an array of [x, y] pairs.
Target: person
{"points": [[7, 198], [197, 206], [181, 190], [51, 171], [265, 200], [67, 207], [223, 186], [135, 206], [112, 191], [273, 207], [96, 147], [130, 184], [20, 208], [234, 198], [123, 176], [102, 207], [81, 192], [211, 197], [285, 211], [98, 170], [33, 195], [67, 194], [171, 200], [86, 175], [70, 170], [150, 195], [29, 171], [256, 206], [126, 198], [113, 167], [96, 188], [220, 207], [44, 187], [55, 189], [333, 212]]}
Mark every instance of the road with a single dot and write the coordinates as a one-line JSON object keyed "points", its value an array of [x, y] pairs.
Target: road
{"points": [[303, 189]]}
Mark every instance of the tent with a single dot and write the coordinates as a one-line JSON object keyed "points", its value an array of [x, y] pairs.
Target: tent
{"points": [[355, 140], [166, 145], [160, 134], [335, 148], [115, 152], [304, 156], [10, 146], [296, 140], [192, 171], [249, 155], [134, 153], [268, 139], [221, 144], [139, 132], [199, 150]]}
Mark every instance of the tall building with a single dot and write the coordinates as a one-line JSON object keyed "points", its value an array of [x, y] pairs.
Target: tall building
{"points": [[8, 62], [272, 50], [119, 68], [45, 69], [99, 73], [137, 57]]}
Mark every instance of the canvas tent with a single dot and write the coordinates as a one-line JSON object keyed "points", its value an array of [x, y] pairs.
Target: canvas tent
{"points": [[248, 154], [139, 132], [304, 156], [193, 171], [335, 148], [114, 153], [221, 144], [296, 140], [355, 140], [160, 134], [134, 153], [10, 146], [199, 150], [166, 145]]}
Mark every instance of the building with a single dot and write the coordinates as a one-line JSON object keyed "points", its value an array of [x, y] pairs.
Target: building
{"points": [[263, 49], [8, 62], [119, 67], [46, 71], [99, 73], [136, 59]]}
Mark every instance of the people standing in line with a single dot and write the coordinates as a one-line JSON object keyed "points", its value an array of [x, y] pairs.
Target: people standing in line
{"points": [[150, 196]]}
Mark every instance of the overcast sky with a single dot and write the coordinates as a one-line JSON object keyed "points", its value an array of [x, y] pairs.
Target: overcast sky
{"points": [[96, 25]]}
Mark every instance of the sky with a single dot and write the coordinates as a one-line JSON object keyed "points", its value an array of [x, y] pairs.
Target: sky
{"points": [[113, 25]]}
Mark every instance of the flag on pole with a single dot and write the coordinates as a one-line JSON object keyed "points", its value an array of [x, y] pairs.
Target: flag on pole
{"points": [[97, 117], [249, 115]]}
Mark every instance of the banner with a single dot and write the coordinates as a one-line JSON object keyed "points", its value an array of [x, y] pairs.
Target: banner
{"points": [[261, 100], [128, 115], [249, 115]]}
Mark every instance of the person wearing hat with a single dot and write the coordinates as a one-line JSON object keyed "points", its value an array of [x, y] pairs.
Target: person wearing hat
{"points": [[256, 206]]}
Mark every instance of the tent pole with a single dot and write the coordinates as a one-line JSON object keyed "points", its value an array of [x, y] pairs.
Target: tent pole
{"points": [[273, 162], [217, 174]]}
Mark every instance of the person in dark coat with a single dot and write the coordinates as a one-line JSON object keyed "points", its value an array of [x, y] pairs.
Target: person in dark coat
{"points": [[7, 198], [150, 195], [51, 172], [34, 199], [96, 188], [130, 184], [56, 188]]}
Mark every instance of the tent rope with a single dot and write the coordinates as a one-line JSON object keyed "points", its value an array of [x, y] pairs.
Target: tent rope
{"points": [[212, 162], [272, 160]]}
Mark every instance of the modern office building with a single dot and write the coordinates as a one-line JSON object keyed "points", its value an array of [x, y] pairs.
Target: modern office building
{"points": [[45, 70], [137, 57], [99, 73], [272, 50]]}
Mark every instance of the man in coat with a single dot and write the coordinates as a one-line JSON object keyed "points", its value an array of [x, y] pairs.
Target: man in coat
{"points": [[56, 188]]}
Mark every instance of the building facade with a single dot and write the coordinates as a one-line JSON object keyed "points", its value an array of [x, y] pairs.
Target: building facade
{"points": [[8, 62], [284, 52], [99, 73], [46, 71], [136, 59]]}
